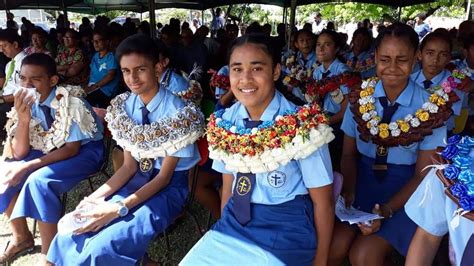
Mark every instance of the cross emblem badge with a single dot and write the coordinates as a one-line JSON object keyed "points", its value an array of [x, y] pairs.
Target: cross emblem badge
{"points": [[381, 150], [243, 185], [146, 164]]}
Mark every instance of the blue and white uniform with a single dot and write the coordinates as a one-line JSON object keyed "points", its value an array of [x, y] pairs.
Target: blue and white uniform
{"points": [[431, 209], [419, 78], [401, 161], [469, 101], [125, 240], [40, 189], [219, 92], [362, 57], [336, 68], [281, 230], [173, 82], [308, 62]]}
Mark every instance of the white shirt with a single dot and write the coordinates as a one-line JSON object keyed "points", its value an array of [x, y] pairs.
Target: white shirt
{"points": [[11, 85]]}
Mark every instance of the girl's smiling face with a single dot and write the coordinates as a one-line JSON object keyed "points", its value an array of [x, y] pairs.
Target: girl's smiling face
{"points": [[252, 76]]}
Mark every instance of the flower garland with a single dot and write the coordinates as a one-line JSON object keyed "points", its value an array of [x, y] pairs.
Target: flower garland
{"points": [[192, 94], [362, 65], [294, 135], [297, 75], [463, 75], [456, 174], [69, 108], [219, 81], [412, 128], [317, 90], [158, 139]]}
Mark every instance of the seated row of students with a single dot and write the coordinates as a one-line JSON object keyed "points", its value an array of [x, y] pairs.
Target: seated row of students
{"points": [[150, 188]]}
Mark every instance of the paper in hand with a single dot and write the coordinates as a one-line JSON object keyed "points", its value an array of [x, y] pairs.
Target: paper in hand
{"points": [[4, 168], [72, 221], [353, 215]]}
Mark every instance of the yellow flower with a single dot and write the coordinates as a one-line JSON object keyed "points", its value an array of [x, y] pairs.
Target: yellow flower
{"points": [[434, 98], [370, 107], [383, 127], [369, 125], [441, 101], [287, 79], [384, 134], [370, 90], [418, 112], [423, 116], [363, 93], [363, 109], [403, 126]]}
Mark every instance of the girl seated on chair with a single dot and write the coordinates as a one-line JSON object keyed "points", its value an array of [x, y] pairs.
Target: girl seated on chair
{"points": [[157, 132], [276, 210], [54, 142], [392, 129]]}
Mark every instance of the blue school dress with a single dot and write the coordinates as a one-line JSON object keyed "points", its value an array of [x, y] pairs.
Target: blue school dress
{"points": [[420, 79], [125, 240], [352, 62], [431, 209], [40, 190], [401, 161], [336, 68], [281, 229]]}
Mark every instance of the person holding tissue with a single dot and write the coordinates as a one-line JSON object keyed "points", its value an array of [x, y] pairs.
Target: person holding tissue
{"points": [[53, 142]]}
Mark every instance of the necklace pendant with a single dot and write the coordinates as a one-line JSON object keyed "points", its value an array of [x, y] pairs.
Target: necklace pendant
{"points": [[146, 164]]}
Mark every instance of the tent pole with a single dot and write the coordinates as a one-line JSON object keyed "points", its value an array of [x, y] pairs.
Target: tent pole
{"points": [[6, 9], [468, 10], [151, 9], [292, 19], [202, 17], [63, 7], [399, 13]]}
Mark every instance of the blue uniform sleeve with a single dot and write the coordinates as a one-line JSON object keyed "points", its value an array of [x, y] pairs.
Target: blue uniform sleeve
{"points": [[219, 166], [316, 169], [434, 140], [75, 134], [186, 152], [348, 123], [112, 64], [426, 206]]}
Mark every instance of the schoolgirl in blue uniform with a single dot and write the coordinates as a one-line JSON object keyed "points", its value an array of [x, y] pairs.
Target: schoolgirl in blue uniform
{"points": [[435, 54], [301, 64], [361, 57], [276, 212], [144, 196], [389, 139], [224, 96], [49, 155], [436, 213]]}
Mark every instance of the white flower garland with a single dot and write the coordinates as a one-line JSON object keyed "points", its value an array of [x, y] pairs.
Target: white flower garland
{"points": [[69, 108], [158, 139]]}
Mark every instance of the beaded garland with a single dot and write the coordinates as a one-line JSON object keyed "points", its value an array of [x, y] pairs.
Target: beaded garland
{"points": [[456, 174], [317, 90], [294, 135], [69, 108], [298, 75], [412, 128], [192, 94], [219, 81], [158, 139]]}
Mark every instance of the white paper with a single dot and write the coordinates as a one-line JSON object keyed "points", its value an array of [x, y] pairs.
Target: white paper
{"points": [[71, 221], [352, 215]]}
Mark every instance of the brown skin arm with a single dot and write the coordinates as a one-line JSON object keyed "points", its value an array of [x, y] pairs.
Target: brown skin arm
{"points": [[227, 98], [336, 118], [108, 78], [226, 189], [323, 205], [348, 169]]}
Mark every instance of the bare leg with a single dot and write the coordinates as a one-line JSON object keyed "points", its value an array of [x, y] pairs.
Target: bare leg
{"points": [[18, 227], [342, 239], [47, 233], [207, 195], [369, 250]]}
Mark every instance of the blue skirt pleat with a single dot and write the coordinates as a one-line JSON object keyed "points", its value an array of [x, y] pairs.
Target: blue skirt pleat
{"points": [[399, 229], [281, 234], [39, 192], [125, 240]]}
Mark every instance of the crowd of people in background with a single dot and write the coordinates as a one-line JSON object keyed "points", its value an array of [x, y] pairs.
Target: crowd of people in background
{"points": [[402, 66]]}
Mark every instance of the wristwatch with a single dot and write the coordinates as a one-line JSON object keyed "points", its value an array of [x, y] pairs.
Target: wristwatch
{"points": [[123, 210]]}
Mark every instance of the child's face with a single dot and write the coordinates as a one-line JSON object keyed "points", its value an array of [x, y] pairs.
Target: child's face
{"points": [[304, 43], [360, 43], [138, 73], [325, 49], [161, 66], [434, 57], [33, 76], [252, 76], [394, 59]]}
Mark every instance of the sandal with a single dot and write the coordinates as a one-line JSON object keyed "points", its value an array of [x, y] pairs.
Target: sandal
{"points": [[13, 251]]}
